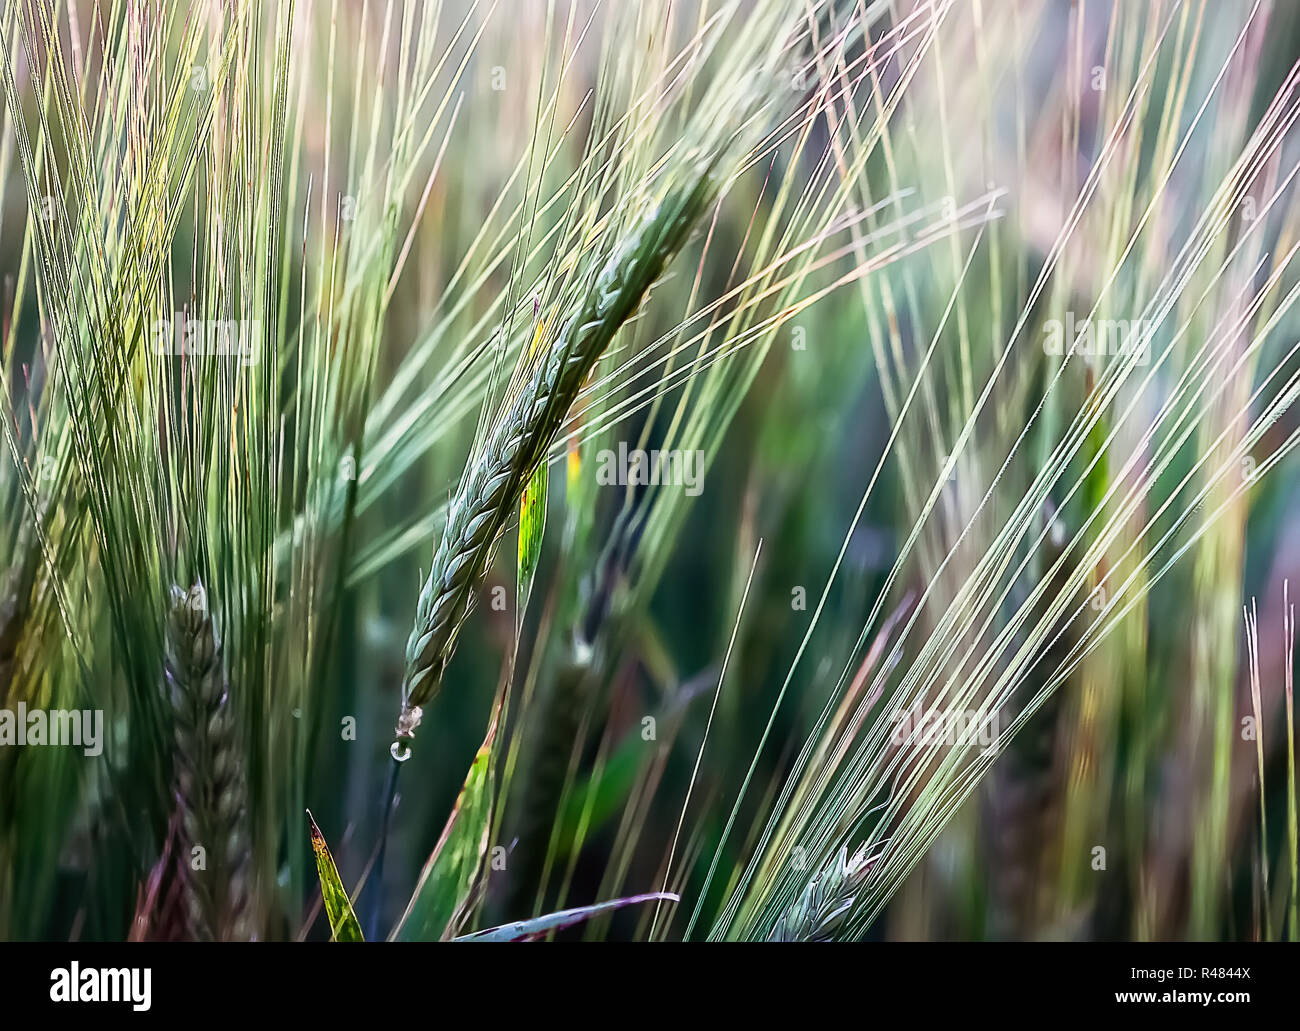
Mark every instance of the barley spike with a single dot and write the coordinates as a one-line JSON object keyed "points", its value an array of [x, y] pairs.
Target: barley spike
{"points": [[824, 904], [490, 490], [210, 791]]}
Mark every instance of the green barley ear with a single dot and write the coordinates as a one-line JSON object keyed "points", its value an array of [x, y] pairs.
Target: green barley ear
{"points": [[530, 417], [824, 904], [213, 858]]}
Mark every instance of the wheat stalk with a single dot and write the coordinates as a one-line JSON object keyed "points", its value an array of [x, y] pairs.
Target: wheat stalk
{"points": [[827, 899], [531, 416], [210, 791]]}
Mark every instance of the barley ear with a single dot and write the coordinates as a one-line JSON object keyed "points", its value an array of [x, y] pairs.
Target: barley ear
{"points": [[213, 854], [825, 903], [497, 473]]}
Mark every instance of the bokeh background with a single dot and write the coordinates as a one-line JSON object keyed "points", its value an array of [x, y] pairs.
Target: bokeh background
{"points": [[909, 504]]}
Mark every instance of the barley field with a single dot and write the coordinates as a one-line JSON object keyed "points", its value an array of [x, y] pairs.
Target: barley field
{"points": [[779, 470]]}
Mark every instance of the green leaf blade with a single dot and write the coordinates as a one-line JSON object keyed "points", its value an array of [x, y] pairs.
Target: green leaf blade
{"points": [[344, 926], [445, 890], [532, 528]]}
